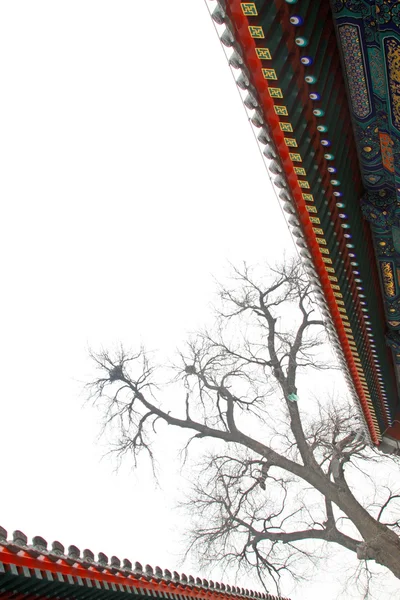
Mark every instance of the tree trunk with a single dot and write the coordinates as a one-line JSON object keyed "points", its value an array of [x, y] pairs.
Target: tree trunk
{"points": [[379, 542]]}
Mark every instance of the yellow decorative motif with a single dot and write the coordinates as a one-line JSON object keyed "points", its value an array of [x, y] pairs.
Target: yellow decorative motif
{"points": [[316, 221], [269, 73], [256, 31], [342, 310], [388, 279], [299, 171], [311, 209], [327, 260], [338, 295], [290, 142], [331, 277], [330, 269], [321, 241], [335, 287], [286, 127], [275, 92], [263, 53], [282, 111], [308, 197], [324, 250], [249, 9]]}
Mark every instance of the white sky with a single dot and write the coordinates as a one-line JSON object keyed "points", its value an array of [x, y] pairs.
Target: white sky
{"points": [[129, 176]]}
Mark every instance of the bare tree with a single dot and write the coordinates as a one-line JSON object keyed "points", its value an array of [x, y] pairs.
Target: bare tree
{"points": [[281, 482]]}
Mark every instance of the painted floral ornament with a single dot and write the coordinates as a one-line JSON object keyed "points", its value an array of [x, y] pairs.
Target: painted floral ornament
{"points": [[315, 96], [318, 112], [306, 60]]}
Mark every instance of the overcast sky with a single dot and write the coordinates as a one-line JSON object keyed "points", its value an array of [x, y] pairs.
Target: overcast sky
{"points": [[130, 176]]}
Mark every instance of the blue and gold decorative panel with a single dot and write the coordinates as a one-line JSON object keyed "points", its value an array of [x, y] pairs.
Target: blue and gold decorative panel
{"points": [[355, 69], [369, 39], [392, 56]]}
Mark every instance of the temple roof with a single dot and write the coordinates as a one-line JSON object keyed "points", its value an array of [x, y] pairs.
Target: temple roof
{"points": [[287, 61], [34, 569]]}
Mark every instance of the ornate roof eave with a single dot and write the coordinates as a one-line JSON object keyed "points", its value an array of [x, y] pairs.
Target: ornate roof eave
{"points": [[243, 35], [34, 569]]}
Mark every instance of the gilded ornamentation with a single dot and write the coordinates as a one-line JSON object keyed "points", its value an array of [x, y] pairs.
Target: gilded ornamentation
{"points": [[281, 110], [388, 278], [300, 171], [275, 92], [392, 53], [263, 53], [249, 9], [269, 73], [256, 31]]}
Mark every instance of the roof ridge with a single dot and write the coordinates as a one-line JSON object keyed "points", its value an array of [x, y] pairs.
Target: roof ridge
{"points": [[73, 558]]}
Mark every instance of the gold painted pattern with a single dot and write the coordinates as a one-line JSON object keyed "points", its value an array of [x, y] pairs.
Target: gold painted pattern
{"points": [[299, 170], [275, 92], [286, 127], [269, 74], [249, 9], [388, 278], [290, 142], [281, 110], [263, 53], [256, 31]]}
